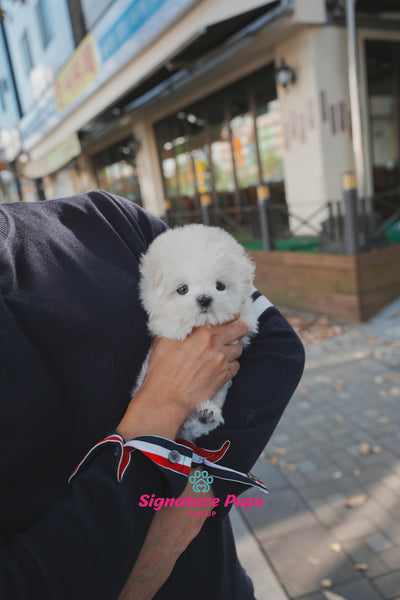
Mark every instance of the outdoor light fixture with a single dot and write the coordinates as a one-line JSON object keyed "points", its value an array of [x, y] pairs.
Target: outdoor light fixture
{"points": [[284, 74], [23, 158]]}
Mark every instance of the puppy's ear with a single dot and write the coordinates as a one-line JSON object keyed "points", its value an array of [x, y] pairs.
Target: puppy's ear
{"points": [[245, 268], [151, 274]]}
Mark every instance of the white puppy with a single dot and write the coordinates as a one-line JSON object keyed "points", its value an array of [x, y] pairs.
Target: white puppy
{"points": [[191, 276]]}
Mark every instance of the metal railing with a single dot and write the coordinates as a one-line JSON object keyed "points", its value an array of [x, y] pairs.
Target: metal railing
{"points": [[346, 226]]}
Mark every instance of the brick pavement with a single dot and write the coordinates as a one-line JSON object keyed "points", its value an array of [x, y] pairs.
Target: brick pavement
{"points": [[339, 439]]}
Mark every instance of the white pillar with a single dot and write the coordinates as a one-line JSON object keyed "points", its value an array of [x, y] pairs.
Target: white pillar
{"points": [[148, 166], [316, 119]]}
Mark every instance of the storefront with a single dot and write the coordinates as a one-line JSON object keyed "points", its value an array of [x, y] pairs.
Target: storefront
{"points": [[383, 74], [218, 151], [116, 170]]}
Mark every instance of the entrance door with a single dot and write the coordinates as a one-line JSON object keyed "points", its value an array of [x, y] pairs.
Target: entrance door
{"points": [[383, 73]]}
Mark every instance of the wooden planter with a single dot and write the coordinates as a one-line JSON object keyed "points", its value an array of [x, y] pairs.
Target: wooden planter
{"points": [[349, 288]]}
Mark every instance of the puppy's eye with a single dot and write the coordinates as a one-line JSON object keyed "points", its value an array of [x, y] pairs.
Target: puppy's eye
{"points": [[183, 289], [220, 286]]}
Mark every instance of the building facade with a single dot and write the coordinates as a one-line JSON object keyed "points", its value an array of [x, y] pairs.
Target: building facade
{"points": [[176, 104]]}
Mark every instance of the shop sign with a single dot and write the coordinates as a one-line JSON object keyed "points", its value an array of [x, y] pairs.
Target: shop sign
{"points": [[79, 71], [43, 117], [54, 160], [131, 20], [124, 30], [134, 25]]}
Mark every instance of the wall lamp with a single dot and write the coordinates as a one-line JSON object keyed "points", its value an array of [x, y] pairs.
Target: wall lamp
{"points": [[284, 74]]}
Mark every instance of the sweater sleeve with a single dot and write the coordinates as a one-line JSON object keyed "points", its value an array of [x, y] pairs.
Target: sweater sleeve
{"points": [[85, 546], [270, 370]]}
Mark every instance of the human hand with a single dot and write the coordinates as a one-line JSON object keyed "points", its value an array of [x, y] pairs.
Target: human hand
{"points": [[170, 533], [181, 374]]}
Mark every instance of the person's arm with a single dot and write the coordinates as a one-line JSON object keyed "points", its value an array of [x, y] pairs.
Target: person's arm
{"points": [[270, 371], [86, 545], [170, 533]]}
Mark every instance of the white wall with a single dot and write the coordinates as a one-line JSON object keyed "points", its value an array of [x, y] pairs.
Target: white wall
{"points": [[315, 115]]}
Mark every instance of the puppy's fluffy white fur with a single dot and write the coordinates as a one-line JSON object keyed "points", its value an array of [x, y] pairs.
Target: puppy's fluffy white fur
{"points": [[190, 276]]}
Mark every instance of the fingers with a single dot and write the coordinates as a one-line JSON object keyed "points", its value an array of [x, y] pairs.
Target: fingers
{"points": [[233, 331], [233, 352]]}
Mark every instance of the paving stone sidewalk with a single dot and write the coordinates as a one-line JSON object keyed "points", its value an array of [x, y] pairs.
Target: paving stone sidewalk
{"points": [[338, 441]]}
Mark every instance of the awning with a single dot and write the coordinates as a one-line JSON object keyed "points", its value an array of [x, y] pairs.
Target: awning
{"points": [[54, 160], [206, 41]]}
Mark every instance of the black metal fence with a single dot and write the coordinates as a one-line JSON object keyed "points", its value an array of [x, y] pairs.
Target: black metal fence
{"points": [[346, 226]]}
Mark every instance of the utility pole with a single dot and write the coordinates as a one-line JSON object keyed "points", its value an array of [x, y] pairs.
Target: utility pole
{"points": [[355, 108]]}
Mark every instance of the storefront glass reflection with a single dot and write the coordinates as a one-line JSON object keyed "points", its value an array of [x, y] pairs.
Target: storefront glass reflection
{"points": [[383, 72], [221, 149], [116, 170]]}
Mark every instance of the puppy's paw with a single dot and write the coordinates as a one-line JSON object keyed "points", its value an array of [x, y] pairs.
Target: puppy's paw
{"points": [[206, 416], [203, 420]]}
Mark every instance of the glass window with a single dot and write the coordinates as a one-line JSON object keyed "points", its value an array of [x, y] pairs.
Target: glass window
{"points": [[198, 132], [221, 148], [243, 141], [168, 163], [116, 170], [221, 151], [3, 90], [383, 73], [269, 129], [26, 53], [186, 182], [44, 22]]}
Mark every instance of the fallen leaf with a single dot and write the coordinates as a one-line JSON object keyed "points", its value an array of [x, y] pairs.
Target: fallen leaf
{"points": [[335, 547], [356, 473], [383, 420], [262, 455], [273, 460], [327, 583], [378, 379], [332, 596], [338, 385], [394, 391], [291, 466], [314, 329], [280, 451], [376, 449], [289, 415], [392, 377], [364, 449], [337, 417], [357, 500], [361, 566], [313, 560], [303, 391]]}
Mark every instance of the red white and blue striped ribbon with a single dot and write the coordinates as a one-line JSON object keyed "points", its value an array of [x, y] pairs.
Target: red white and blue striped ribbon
{"points": [[185, 455]]}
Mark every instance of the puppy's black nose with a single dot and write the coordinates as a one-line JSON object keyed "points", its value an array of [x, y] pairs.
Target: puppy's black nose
{"points": [[204, 301]]}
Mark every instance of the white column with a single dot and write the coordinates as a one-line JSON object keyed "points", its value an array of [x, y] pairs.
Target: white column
{"points": [[316, 119], [148, 166]]}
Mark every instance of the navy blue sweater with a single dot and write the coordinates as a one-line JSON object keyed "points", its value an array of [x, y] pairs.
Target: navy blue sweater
{"points": [[72, 339]]}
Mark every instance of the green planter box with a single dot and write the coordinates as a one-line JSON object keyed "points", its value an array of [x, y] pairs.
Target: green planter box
{"points": [[301, 243], [392, 233]]}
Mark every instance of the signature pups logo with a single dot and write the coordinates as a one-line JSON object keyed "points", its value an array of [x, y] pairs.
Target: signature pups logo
{"points": [[201, 481]]}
